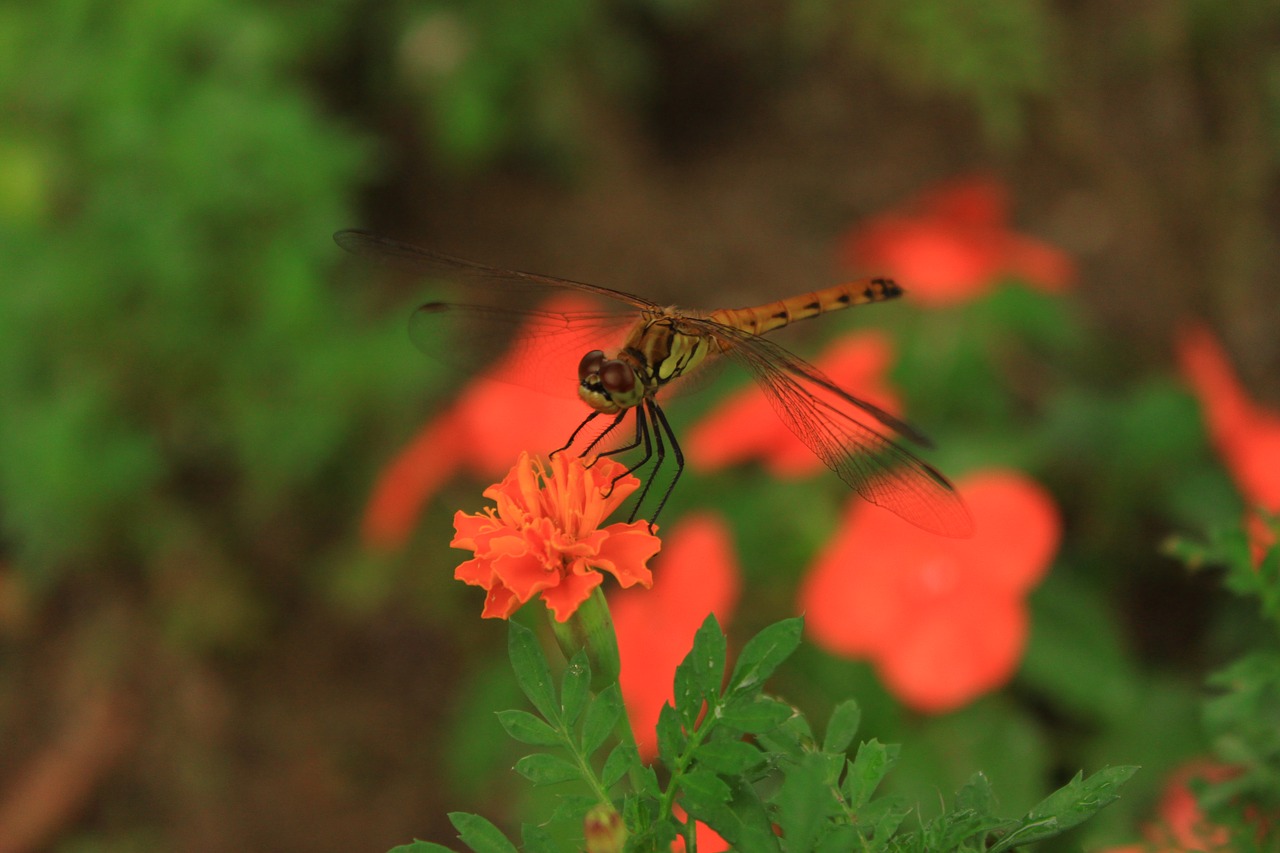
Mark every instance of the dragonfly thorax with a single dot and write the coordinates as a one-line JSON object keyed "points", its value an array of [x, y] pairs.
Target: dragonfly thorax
{"points": [[609, 385]]}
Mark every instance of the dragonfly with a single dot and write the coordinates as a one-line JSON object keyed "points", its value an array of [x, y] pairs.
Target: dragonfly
{"points": [[635, 349]]}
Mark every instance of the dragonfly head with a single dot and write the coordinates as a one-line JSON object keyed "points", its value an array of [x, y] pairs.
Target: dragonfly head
{"points": [[608, 385]]}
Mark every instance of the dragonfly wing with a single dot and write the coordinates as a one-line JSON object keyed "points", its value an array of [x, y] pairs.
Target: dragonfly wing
{"points": [[533, 348], [492, 282], [880, 470]]}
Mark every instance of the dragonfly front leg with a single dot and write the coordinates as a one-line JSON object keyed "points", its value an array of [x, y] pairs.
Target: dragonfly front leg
{"points": [[574, 435], [662, 426]]}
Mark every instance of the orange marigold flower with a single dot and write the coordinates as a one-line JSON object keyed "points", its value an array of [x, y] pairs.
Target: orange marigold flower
{"points": [[744, 426], [698, 575], [545, 536], [1246, 435], [943, 619], [490, 422], [954, 242]]}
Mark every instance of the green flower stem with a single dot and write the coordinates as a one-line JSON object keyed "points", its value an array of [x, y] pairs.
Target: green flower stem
{"points": [[591, 628]]}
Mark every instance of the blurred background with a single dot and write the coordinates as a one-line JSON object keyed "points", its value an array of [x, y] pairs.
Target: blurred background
{"points": [[199, 392]]}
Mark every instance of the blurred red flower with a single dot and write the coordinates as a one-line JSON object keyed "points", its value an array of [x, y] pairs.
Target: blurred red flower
{"points": [[490, 423], [1246, 435], [709, 841], [697, 574], [545, 536], [943, 619], [1181, 825], [744, 426], [952, 243]]}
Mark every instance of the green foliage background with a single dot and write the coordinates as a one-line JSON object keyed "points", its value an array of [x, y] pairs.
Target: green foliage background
{"points": [[196, 394]]}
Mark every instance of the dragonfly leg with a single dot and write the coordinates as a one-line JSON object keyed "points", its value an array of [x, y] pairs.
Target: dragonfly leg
{"points": [[604, 432], [660, 450], [574, 435], [662, 426], [642, 436]]}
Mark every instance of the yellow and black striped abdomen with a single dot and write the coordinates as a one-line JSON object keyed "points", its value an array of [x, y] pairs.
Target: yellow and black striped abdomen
{"points": [[774, 315]]}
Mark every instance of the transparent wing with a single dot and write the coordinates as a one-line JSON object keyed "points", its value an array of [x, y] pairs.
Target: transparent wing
{"points": [[879, 470], [486, 281], [528, 329], [533, 348]]}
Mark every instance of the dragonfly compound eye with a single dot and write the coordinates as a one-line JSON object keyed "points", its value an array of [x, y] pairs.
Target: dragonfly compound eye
{"points": [[590, 364], [617, 377]]}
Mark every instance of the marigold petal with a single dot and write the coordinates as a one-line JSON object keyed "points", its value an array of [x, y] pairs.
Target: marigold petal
{"points": [[625, 553], [468, 527], [573, 589], [500, 603], [475, 572]]}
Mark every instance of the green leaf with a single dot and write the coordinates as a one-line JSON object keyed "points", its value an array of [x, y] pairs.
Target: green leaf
{"points": [[842, 727], [529, 728], [763, 653], [867, 770], [574, 687], [671, 737], [417, 846], [976, 795], [727, 757], [804, 801], [620, 760], [533, 674], [755, 714], [703, 793], [535, 839], [1068, 806], [544, 769], [707, 658], [479, 834], [602, 715]]}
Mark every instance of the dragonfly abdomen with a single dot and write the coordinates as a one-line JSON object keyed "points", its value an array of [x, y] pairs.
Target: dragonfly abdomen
{"points": [[759, 319]]}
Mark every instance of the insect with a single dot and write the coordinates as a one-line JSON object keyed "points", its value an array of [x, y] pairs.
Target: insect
{"points": [[635, 348]]}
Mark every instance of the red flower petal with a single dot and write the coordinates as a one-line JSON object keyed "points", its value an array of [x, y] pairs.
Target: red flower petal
{"points": [[943, 619], [952, 243]]}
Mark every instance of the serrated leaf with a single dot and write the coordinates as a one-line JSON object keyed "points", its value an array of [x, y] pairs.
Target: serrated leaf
{"points": [[417, 846], [702, 790], [755, 714], [867, 770], [1068, 806], [763, 653], [620, 760], [544, 769], [749, 829], [707, 658], [842, 727], [671, 738], [727, 757], [479, 834], [602, 715], [977, 795], [685, 694], [533, 674], [574, 687], [530, 729]]}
